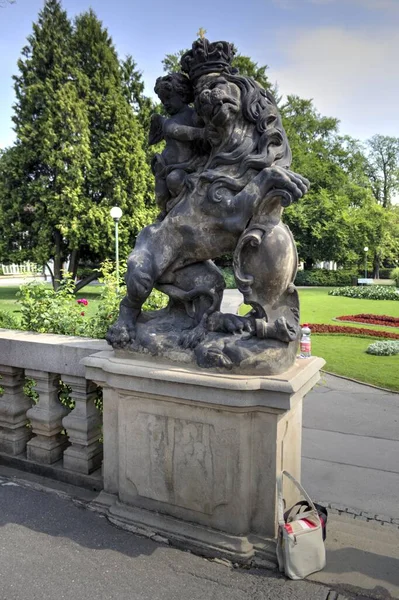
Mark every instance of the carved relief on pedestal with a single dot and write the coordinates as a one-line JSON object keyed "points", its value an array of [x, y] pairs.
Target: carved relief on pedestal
{"points": [[185, 463]]}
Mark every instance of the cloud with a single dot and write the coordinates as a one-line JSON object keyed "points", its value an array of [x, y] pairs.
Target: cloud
{"points": [[389, 5], [350, 74]]}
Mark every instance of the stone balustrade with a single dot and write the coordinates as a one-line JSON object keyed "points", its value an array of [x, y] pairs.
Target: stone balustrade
{"points": [[48, 432]]}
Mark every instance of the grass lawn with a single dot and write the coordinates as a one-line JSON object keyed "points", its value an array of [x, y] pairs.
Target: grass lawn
{"points": [[344, 355], [318, 307], [8, 299]]}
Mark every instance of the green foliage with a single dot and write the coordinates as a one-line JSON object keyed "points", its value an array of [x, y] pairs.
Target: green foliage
{"points": [[29, 390], [383, 348], [155, 300], [64, 393], [383, 167], [79, 148], [338, 203], [119, 173], [394, 274], [108, 306], [324, 277], [229, 278], [48, 311], [245, 65], [371, 292], [8, 321]]}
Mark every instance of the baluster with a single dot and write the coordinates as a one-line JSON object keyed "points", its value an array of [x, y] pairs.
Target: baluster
{"points": [[83, 426], [14, 432], [48, 444]]}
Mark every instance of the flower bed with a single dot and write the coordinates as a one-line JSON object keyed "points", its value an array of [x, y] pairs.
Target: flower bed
{"points": [[341, 329], [371, 319], [370, 292]]}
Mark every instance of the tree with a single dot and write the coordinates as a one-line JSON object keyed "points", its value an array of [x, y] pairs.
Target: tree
{"points": [[52, 149], [382, 169], [118, 172], [245, 65], [322, 222], [79, 147], [133, 88], [171, 62]]}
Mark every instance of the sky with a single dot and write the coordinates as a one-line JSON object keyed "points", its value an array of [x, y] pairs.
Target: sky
{"points": [[341, 53]]}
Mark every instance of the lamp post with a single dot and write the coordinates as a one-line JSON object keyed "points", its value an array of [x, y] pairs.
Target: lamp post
{"points": [[365, 261], [116, 214]]}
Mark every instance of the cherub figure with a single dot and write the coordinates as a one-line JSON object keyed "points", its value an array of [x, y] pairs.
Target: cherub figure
{"points": [[182, 131]]}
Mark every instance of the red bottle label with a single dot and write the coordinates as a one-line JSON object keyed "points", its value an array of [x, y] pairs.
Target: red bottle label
{"points": [[305, 347]]}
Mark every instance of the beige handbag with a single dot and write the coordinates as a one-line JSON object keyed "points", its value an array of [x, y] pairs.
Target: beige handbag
{"points": [[300, 546]]}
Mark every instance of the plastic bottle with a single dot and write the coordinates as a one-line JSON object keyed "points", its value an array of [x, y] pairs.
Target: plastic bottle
{"points": [[305, 344]]}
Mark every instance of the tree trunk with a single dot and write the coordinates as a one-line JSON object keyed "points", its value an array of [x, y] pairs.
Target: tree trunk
{"points": [[81, 284], [308, 264], [74, 263], [376, 266], [57, 276], [51, 274]]}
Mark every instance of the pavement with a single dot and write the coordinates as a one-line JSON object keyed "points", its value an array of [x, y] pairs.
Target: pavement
{"points": [[53, 546], [350, 445]]}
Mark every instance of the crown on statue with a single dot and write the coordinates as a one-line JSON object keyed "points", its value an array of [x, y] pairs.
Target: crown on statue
{"points": [[207, 57]]}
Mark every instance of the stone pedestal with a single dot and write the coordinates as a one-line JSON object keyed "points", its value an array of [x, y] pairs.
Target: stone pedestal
{"points": [[193, 455]]}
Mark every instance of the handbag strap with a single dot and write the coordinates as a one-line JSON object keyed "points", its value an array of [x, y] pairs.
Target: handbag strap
{"points": [[280, 501], [300, 510]]}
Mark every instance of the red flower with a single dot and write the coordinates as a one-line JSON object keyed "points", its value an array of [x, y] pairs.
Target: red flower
{"points": [[82, 313], [82, 301], [321, 328], [372, 319]]}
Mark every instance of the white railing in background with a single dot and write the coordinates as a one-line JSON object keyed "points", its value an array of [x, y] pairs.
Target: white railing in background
{"points": [[21, 269]]}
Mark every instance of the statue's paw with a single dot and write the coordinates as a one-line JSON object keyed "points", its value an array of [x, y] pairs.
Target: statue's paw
{"points": [[214, 357], [227, 323], [288, 180], [120, 335], [191, 338]]}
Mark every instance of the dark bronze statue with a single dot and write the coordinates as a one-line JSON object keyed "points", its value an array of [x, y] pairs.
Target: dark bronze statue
{"points": [[221, 183]]}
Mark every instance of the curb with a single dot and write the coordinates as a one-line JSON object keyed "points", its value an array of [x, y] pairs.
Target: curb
{"points": [[360, 515], [376, 387]]}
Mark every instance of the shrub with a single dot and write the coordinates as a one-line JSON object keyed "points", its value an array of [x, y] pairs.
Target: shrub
{"points": [[8, 321], [324, 277], [394, 274], [383, 348], [370, 292], [47, 311]]}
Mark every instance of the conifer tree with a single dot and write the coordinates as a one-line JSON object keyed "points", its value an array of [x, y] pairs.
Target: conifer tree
{"points": [[79, 148], [52, 148], [118, 173]]}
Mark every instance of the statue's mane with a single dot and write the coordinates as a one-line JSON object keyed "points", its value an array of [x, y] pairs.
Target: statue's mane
{"points": [[269, 144], [266, 146]]}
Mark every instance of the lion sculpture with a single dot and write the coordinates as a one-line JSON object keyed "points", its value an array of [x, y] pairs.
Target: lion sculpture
{"points": [[224, 180]]}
